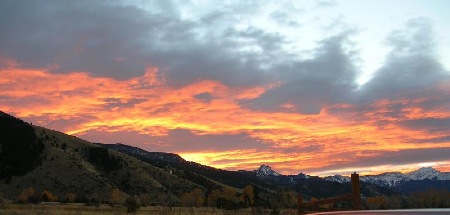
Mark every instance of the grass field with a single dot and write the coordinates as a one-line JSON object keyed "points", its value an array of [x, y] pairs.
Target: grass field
{"points": [[79, 209]]}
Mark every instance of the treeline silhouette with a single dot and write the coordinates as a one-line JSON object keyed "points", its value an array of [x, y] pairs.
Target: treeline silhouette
{"points": [[102, 160], [20, 149]]}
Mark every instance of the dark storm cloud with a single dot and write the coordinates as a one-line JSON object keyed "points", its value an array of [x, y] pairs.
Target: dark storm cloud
{"points": [[410, 66], [311, 84]]}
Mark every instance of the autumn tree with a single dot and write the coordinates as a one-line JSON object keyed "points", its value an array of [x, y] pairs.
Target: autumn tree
{"points": [[431, 198], [28, 195], [212, 198], [116, 197], [287, 199], [249, 196], [195, 198], [71, 197], [225, 198], [48, 196], [377, 202]]}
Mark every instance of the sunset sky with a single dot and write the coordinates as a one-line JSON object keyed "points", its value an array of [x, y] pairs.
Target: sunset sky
{"points": [[320, 87]]}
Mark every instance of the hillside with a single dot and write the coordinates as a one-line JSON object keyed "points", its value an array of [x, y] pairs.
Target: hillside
{"points": [[66, 164]]}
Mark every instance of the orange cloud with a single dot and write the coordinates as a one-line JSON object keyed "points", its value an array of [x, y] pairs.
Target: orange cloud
{"points": [[340, 134]]}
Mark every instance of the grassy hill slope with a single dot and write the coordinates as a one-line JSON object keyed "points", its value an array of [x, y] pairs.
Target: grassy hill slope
{"points": [[67, 164]]}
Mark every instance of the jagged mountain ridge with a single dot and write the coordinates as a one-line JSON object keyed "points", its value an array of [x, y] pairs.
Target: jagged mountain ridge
{"points": [[393, 179], [264, 179], [428, 173]]}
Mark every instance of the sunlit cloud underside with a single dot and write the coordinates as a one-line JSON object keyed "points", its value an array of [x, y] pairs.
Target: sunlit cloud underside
{"points": [[220, 132]]}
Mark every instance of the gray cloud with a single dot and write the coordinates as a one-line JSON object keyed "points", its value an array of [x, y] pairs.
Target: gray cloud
{"points": [[110, 39], [431, 125], [311, 84], [205, 97], [410, 66], [119, 41], [443, 139], [77, 36]]}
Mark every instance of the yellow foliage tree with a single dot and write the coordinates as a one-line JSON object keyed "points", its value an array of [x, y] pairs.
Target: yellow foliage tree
{"points": [[48, 196], [70, 197], [376, 202], [187, 199], [228, 193], [116, 197], [26, 194], [212, 198], [249, 196], [193, 199], [199, 197]]}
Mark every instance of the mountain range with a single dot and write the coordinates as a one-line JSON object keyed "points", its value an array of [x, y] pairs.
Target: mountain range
{"points": [[33, 156], [392, 179]]}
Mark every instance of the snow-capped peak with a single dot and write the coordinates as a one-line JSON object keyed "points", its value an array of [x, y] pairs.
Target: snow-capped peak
{"points": [[338, 178], [266, 170], [387, 179], [424, 173], [391, 179], [302, 175]]}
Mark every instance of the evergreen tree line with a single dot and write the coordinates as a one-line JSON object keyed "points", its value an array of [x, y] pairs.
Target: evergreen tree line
{"points": [[20, 150]]}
